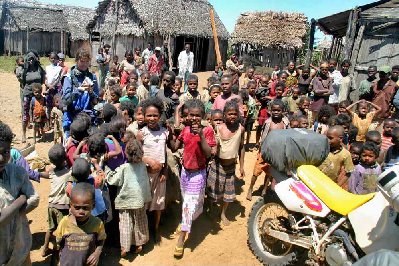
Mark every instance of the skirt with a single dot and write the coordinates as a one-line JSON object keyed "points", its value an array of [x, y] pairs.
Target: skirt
{"points": [[193, 192], [133, 228], [158, 192], [220, 183]]}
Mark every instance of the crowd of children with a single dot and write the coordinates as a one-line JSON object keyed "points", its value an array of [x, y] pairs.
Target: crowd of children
{"points": [[114, 166]]}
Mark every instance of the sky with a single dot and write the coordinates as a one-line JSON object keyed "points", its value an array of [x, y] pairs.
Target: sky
{"points": [[230, 10]]}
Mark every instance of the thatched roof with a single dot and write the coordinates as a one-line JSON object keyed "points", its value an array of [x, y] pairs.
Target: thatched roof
{"points": [[77, 19], [270, 29], [36, 18], [164, 17]]}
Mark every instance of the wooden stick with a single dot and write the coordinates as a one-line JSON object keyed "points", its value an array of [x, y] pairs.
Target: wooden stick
{"points": [[215, 36]]}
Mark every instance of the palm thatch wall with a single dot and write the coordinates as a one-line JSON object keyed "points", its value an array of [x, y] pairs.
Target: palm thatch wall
{"points": [[127, 24], [271, 36]]}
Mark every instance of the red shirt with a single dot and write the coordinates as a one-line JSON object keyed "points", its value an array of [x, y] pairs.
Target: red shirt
{"points": [[71, 149], [193, 156]]}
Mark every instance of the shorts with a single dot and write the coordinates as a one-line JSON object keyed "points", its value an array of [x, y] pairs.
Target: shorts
{"points": [[54, 217], [260, 166]]}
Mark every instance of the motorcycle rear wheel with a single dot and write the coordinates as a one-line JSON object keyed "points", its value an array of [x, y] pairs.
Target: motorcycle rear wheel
{"points": [[268, 250]]}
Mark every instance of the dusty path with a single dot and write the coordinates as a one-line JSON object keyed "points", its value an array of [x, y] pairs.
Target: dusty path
{"points": [[209, 244]]}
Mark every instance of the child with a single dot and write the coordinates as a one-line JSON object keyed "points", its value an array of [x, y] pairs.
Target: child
{"points": [[294, 123], [53, 83], [249, 76], [388, 126], [303, 109], [343, 120], [144, 89], [221, 175], [64, 68], [17, 197], [133, 78], [98, 108], [275, 73], [363, 179], [355, 150], [131, 96], [303, 121], [264, 96], [214, 91], [79, 132], [342, 107], [111, 80], [321, 124], [251, 107], [192, 92], [38, 109], [127, 111], [338, 164], [198, 142], [56, 118], [154, 86], [364, 118], [216, 118], [392, 154], [276, 121], [80, 235], [138, 120], [115, 63], [292, 101], [178, 85], [153, 136], [58, 200], [115, 94], [133, 192]]}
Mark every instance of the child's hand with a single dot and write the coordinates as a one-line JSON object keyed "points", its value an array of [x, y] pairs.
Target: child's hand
{"points": [[196, 129], [242, 174], [93, 259], [162, 178]]}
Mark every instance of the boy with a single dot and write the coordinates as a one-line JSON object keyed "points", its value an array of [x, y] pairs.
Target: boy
{"points": [[192, 92], [388, 126], [392, 154], [38, 109], [338, 165], [58, 200], [130, 96], [78, 131], [249, 76], [276, 121], [355, 150], [227, 95], [303, 121], [80, 236], [293, 101], [144, 88]]}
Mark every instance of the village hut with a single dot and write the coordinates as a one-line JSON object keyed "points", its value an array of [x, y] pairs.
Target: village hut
{"points": [[127, 24], [31, 27], [272, 37], [371, 34]]}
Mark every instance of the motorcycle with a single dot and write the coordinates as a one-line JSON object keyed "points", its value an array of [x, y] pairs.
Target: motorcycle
{"points": [[309, 220]]}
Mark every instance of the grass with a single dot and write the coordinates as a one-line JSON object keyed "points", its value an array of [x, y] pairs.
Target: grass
{"points": [[7, 63]]}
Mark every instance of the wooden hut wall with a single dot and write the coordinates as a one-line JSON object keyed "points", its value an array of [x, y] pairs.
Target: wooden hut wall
{"points": [[14, 42], [277, 56]]}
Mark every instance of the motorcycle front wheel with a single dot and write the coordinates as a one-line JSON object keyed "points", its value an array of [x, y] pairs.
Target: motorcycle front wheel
{"points": [[269, 250]]}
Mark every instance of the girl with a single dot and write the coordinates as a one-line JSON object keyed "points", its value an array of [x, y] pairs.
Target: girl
{"points": [[214, 91], [363, 179], [131, 91], [221, 175], [153, 136], [178, 85], [321, 124], [133, 192], [198, 142], [216, 118], [115, 95], [138, 121], [364, 118], [17, 198]]}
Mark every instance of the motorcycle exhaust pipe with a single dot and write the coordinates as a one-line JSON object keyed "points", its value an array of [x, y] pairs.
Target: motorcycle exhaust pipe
{"points": [[347, 243]]}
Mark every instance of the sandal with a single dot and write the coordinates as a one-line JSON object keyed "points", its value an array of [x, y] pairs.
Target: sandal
{"points": [[178, 252]]}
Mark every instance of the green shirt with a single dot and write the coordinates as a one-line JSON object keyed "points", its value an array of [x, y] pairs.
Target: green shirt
{"points": [[133, 99]]}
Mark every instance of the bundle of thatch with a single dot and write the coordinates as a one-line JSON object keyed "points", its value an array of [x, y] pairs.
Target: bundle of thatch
{"points": [[164, 17], [270, 29], [77, 19]]}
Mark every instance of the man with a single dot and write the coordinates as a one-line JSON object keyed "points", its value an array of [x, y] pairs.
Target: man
{"points": [[346, 82], [384, 90], [165, 54], [337, 78], [395, 74], [147, 53], [365, 90], [231, 64], [155, 63], [185, 64]]}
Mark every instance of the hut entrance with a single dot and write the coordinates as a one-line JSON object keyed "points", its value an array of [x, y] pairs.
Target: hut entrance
{"points": [[199, 46], [2, 52]]}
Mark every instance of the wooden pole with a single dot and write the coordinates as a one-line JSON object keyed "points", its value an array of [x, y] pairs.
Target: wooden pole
{"points": [[351, 32], [27, 39], [116, 26], [215, 37], [311, 42]]}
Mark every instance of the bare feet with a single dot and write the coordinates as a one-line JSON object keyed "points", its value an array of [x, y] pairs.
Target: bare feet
{"points": [[138, 249], [46, 251], [157, 237], [249, 195], [123, 253], [225, 221]]}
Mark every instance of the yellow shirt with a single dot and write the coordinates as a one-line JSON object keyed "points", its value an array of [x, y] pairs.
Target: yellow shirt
{"points": [[332, 165], [362, 125]]}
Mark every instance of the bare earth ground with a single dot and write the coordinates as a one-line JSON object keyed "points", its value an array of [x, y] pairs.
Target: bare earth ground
{"points": [[208, 244]]}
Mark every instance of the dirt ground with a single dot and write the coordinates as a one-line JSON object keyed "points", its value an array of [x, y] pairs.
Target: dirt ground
{"points": [[209, 243]]}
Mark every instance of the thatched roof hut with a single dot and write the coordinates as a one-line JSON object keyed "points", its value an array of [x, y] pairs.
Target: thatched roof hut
{"points": [[127, 24]]}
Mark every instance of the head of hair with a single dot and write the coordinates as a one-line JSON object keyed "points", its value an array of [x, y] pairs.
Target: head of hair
{"points": [[104, 129], [370, 146], [179, 79], [346, 62], [107, 45], [6, 134], [144, 73], [373, 134], [389, 120], [338, 129], [395, 67], [36, 87], [280, 84], [235, 89], [129, 52], [343, 119], [331, 61], [96, 145], [278, 102], [84, 117], [303, 99], [195, 104], [57, 155], [215, 86], [78, 129], [54, 54], [117, 124], [19, 58], [81, 169], [153, 102], [282, 72], [373, 67], [212, 80], [356, 145], [132, 85], [193, 77], [216, 111], [109, 111], [344, 103], [154, 80], [244, 95], [251, 82], [113, 68], [116, 89], [134, 74], [233, 104], [82, 54], [172, 76], [129, 107], [83, 188], [227, 76], [134, 151], [327, 111]]}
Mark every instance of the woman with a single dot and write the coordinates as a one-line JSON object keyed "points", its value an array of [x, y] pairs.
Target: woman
{"points": [[322, 88], [33, 73], [80, 90]]}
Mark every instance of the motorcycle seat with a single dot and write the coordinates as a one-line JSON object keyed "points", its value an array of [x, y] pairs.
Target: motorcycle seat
{"points": [[335, 197]]}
